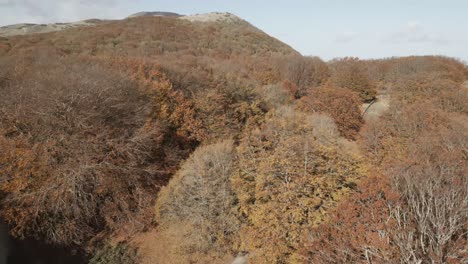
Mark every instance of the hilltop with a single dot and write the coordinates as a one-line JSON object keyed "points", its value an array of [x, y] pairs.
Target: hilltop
{"points": [[217, 28], [214, 17], [24, 29], [154, 13]]}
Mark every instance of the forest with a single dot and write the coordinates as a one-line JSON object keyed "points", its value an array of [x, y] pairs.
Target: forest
{"points": [[160, 140]]}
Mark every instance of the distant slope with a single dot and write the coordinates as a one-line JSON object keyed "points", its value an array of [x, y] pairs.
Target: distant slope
{"points": [[223, 33], [227, 24], [30, 28], [25, 28]]}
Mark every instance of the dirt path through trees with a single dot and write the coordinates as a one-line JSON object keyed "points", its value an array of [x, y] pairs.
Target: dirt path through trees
{"points": [[376, 108]]}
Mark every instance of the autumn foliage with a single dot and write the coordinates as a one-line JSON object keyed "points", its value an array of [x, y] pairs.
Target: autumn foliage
{"points": [[81, 153], [291, 172], [191, 142], [350, 73], [341, 104], [94, 121], [416, 212], [199, 197], [359, 229]]}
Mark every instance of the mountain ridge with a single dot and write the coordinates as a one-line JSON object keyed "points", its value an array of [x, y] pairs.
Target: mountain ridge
{"points": [[34, 28]]}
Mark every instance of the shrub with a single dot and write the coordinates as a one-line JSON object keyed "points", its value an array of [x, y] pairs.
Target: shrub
{"points": [[276, 95], [359, 229], [341, 104], [446, 68], [304, 73], [350, 73], [120, 253]]}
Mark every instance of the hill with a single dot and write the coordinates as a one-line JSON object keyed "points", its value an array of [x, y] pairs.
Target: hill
{"points": [[166, 139], [106, 113]]}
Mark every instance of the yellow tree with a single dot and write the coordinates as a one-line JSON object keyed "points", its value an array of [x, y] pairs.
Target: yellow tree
{"points": [[289, 176]]}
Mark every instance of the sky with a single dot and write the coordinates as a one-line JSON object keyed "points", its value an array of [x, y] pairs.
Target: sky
{"points": [[328, 29]]}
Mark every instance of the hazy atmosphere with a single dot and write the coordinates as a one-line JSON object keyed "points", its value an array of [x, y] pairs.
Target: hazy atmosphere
{"points": [[362, 28]]}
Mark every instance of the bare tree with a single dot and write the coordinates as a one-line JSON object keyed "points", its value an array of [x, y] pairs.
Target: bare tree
{"points": [[433, 217], [200, 195]]}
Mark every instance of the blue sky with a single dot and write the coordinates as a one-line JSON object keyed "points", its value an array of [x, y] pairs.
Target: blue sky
{"points": [[362, 28]]}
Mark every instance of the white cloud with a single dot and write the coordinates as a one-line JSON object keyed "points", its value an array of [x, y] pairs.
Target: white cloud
{"points": [[346, 37], [47, 11], [415, 33]]}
